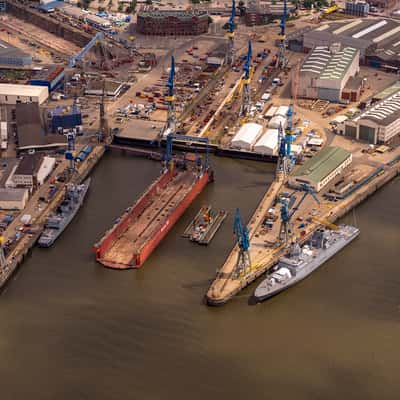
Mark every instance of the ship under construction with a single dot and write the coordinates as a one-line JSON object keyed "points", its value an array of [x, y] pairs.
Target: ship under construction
{"points": [[142, 227]]}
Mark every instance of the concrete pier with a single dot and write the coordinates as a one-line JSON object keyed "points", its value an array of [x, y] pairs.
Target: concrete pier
{"points": [[226, 284]]}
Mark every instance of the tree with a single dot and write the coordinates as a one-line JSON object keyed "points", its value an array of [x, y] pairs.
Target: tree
{"points": [[132, 7], [149, 2], [120, 7]]}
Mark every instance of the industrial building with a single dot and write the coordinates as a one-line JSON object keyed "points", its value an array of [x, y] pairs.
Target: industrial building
{"points": [[111, 88], [52, 78], [12, 56], [379, 123], [32, 131], [13, 198], [13, 94], [27, 170], [377, 40], [247, 136], [326, 72], [66, 118], [321, 169], [172, 22], [358, 8]]}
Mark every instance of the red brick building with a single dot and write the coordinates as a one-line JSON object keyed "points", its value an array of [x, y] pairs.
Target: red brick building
{"points": [[171, 23]]}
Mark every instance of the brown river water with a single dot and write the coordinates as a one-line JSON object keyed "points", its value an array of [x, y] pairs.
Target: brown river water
{"points": [[71, 329]]}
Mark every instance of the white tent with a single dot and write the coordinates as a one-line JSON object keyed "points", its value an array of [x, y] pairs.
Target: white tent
{"points": [[282, 111], [268, 143], [276, 121], [247, 136], [270, 112]]}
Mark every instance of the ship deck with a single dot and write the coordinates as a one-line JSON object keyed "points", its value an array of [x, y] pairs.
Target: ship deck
{"points": [[143, 228]]}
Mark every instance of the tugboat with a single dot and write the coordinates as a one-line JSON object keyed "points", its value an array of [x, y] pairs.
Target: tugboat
{"points": [[58, 221], [302, 261]]}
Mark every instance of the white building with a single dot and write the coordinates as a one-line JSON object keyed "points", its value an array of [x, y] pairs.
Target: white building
{"points": [[379, 123], [13, 94], [276, 121], [268, 143], [45, 169], [13, 199], [247, 136]]}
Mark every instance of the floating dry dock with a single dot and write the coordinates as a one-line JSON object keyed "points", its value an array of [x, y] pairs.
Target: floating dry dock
{"points": [[226, 284]]}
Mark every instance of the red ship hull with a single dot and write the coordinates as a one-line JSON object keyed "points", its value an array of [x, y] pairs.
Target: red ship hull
{"points": [[137, 256]]}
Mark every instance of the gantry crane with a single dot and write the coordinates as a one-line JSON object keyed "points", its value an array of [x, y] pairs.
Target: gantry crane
{"points": [[170, 126], [282, 59], [230, 55], [167, 157], [241, 231], [245, 84], [286, 214]]}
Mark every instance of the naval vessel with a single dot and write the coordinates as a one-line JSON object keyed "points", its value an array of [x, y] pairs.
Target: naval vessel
{"points": [[60, 219], [302, 261]]}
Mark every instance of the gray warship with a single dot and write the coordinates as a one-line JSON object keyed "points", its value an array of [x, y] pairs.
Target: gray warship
{"points": [[58, 221], [302, 261]]}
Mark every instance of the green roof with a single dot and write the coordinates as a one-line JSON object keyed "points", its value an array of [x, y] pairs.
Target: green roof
{"points": [[322, 164], [388, 91]]}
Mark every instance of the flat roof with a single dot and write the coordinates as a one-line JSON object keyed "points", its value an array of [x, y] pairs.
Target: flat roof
{"points": [[16, 194], [21, 90], [29, 164], [322, 164], [7, 50]]}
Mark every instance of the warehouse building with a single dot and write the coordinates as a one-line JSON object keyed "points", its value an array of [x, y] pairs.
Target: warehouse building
{"points": [[31, 129], [12, 56], [27, 170], [13, 199], [326, 72], [172, 22], [358, 8], [321, 169], [379, 123], [13, 94], [247, 136], [52, 78], [377, 40]]}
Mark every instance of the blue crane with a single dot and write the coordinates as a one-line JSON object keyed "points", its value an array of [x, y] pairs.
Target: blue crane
{"points": [[246, 78], [242, 234], [282, 60], [167, 157], [283, 152], [286, 214], [170, 126], [69, 154], [77, 57], [230, 55]]}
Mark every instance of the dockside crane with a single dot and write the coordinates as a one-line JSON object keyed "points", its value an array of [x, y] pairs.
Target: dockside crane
{"points": [[168, 156], [284, 152], [282, 58], [286, 214], [230, 55], [69, 154], [241, 231], [246, 78], [170, 126]]}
